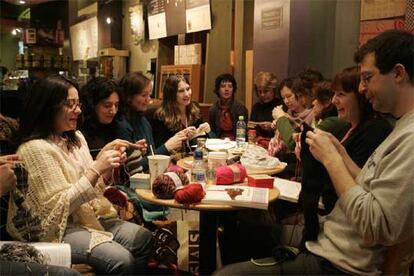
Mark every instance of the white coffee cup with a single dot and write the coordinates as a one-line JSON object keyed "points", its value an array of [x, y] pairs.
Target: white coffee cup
{"points": [[158, 164]]}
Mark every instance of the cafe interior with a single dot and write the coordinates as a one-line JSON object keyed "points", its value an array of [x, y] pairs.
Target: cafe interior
{"points": [[217, 181]]}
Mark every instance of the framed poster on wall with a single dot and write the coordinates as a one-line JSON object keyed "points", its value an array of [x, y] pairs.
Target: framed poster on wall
{"points": [[172, 17], [198, 15], [157, 24], [84, 39]]}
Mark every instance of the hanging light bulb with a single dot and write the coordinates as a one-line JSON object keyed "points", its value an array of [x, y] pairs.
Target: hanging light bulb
{"points": [[108, 20]]}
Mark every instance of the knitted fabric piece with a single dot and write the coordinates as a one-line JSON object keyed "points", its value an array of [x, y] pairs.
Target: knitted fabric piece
{"points": [[58, 189], [313, 175]]}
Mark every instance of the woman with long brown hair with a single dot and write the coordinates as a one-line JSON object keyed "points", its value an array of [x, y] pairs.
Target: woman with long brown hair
{"points": [[177, 112]]}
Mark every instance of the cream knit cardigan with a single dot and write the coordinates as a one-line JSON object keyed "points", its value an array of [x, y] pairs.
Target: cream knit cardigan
{"points": [[58, 192]]}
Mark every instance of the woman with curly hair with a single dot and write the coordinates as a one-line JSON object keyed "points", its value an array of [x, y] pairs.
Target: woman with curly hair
{"points": [[100, 99]]}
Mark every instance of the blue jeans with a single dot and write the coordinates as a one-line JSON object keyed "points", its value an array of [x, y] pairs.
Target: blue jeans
{"points": [[126, 254]]}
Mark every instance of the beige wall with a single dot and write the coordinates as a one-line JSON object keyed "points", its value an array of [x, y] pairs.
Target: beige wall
{"points": [[8, 50], [141, 54], [218, 46]]}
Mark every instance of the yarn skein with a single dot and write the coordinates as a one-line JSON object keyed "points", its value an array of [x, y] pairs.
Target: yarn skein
{"points": [[233, 173], [192, 193], [164, 185]]}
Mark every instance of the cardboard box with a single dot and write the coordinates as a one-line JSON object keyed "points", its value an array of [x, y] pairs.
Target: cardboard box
{"points": [[187, 54], [140, 181], [260, 180]]}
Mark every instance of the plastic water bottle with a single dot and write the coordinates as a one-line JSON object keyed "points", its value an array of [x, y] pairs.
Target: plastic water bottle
{"points": [[198, 170], [241, 132]]}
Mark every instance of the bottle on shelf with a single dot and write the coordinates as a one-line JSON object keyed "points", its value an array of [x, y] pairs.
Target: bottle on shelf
{"points": [[47, 61], [27, 59], [198, 169], [19, 61], [241, 132], [35, 60]]}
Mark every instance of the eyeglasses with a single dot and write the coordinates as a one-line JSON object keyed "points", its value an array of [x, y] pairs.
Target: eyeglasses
{"points": [[72, 104], [367, 76]]}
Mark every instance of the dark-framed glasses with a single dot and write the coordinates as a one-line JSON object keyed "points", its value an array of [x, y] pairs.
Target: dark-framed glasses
{"points": [[367, 76], [73, 103]]}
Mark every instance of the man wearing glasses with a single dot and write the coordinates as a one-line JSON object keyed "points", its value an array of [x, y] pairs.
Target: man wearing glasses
{"points": [[370, 230]]}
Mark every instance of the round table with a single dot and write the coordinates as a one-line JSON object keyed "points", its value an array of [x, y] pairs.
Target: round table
{"points": [[208, 224], [149, 196], [185, 163]]}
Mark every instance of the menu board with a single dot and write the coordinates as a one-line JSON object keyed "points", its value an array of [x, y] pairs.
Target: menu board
{"points": [[172, 17], [198, 16], [157, 23], [84, 39]]}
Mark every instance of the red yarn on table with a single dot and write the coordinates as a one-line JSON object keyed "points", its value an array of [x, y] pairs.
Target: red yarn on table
{"points": [[225, 174], [191, 193]]}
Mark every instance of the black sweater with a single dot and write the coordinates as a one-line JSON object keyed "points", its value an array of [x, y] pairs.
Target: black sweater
{"points": [[360, 144], [262, 112]]}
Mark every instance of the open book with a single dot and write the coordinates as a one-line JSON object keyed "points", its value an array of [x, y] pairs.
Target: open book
{"points": [[289, 190], [242, 196]]}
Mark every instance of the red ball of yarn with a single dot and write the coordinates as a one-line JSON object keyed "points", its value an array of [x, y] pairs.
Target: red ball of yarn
{"points": [[233, 173], [191, 193], [165, 184]]}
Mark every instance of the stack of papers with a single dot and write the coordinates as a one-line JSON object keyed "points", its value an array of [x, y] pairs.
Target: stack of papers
{"points": [[289, 190], [219, 144]]}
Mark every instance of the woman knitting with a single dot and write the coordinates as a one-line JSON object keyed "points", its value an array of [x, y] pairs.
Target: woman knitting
{"points": [[65, 185], [177, 114], [133, 126]]}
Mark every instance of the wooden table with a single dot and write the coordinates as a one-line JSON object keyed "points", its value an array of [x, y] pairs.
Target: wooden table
{"points": [[208, 224], [185, 163]]}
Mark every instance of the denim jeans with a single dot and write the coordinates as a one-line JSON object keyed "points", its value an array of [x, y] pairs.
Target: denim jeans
{"points": [[126, 254]]}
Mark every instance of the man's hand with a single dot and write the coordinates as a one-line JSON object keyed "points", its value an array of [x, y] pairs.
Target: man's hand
{"points": [[321, 146]]}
